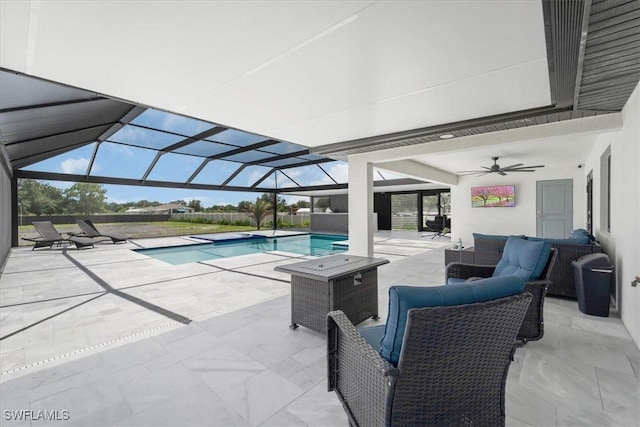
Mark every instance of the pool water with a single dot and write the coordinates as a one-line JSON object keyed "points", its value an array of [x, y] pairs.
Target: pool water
{"points": [[307, 244]]}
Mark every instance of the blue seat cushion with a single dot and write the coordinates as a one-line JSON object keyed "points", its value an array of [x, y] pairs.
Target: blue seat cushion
{"points": [[453, 280], [581, 232], [404, 298], [578, 240], [523, 258], [372, 335]]}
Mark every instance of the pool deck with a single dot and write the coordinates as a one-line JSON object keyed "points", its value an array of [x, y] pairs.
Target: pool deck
{"points": [[118, 338]]}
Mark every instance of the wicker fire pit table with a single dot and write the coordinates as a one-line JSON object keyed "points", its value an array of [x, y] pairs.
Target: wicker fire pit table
{"points": [[338, 282]]}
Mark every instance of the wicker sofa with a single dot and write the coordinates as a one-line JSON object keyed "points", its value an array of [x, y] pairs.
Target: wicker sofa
{"points": [[488, 251]]}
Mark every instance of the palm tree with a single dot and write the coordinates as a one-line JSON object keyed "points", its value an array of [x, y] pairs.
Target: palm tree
{"points": [[258, 210]]}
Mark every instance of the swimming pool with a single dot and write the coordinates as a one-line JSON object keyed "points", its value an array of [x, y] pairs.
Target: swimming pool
{"points": [[306, 244]]}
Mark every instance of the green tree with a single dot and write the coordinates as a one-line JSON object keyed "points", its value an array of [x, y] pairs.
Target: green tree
{"points": [[195, 204], [86, 198], [38, 198], [258, 210], [281, 202]]}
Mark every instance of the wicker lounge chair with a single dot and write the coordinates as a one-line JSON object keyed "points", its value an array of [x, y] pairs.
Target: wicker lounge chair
{"points": [[533, 325], [452, 367], [50, 236], [90, 230]]}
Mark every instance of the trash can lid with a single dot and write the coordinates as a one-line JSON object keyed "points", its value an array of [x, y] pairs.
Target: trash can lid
{"points": [[597, 260]]}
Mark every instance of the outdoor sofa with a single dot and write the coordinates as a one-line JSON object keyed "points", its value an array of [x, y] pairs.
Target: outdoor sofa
{"points": [[488, 251]]}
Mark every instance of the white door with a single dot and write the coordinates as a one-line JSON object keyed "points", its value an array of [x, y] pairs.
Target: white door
{"points": [[554, 206]]}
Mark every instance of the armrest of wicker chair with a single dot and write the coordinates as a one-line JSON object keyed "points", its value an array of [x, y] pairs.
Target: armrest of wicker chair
{"points": [[362, 379], [464, 271], [532, 327]]}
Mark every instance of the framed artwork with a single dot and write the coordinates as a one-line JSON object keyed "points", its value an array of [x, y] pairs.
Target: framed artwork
{"points": [[498, 196]]}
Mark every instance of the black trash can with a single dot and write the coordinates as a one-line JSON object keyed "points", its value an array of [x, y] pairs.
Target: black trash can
{"points": [[593, 277]]}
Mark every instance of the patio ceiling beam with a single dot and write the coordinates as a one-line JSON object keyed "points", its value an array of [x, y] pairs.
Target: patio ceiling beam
{"points": [[19, 157], [373, 141], [279, 157], [244, 149], [327, 173], [307, 163], [195, 138], [420, 171], [50, 176], [152, 165], [132, 114], [291, 179], [51, 104], [233, 175], [62, 134], [265, 176], [198, 170]]}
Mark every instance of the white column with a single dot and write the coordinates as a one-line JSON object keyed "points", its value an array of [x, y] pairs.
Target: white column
{"points": [[361, 217]]}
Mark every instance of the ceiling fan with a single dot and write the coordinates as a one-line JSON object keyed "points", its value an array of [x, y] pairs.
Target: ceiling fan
{"points": [[496, 168]]}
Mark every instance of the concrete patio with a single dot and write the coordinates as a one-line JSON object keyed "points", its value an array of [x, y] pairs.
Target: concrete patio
{"points": [[107, 336]]}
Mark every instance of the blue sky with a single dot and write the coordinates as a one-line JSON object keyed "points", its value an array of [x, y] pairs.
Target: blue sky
{"points": [[130, 152]]}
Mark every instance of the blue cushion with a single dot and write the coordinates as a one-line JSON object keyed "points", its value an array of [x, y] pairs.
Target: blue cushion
{"points": [[524, 258], [453, 280], [578, 240], [580, 232], [403, 298], [372, 335]]}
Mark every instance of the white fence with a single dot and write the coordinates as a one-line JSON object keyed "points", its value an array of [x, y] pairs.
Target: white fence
{"points": [[301, 220]]}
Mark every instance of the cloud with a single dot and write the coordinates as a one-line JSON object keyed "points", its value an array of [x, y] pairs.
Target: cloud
{"points": [[339, 172], [75, 166]]}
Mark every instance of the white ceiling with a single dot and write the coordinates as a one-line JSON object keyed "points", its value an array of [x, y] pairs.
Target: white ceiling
{"points": [[308, 72]]}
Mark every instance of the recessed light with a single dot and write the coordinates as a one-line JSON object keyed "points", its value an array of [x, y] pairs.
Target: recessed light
{"points": [[447, 136]]}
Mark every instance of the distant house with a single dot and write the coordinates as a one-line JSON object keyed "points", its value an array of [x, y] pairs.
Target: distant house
{"points": [[162, 209], [138, 211], [171, 208]]}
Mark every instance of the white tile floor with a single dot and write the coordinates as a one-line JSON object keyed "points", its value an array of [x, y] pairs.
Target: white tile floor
{"points": [[116, 338]]}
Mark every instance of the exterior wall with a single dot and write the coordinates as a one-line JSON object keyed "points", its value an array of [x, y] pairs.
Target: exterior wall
{"points": [[330, 222], [339, 203], [520, 219], [622, 242], [5, 215]]}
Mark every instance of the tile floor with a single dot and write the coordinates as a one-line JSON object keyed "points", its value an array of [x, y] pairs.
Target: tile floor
{"points": [[107, 336]]}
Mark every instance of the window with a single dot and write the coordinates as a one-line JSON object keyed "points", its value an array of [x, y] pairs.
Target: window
{"points": [[605, 190], [404, 211]]}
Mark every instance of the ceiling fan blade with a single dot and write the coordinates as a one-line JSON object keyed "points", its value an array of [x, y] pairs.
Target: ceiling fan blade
{"points": [[526, 167], [513, 166], [501, 173], [521, 170]]}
